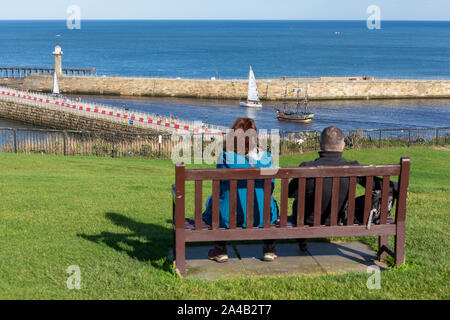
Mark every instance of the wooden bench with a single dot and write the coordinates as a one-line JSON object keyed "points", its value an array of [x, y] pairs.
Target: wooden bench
{"points": [[197, 231]]}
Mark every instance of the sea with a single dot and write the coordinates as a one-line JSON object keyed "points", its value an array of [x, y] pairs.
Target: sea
{"points": [[226, 50]]}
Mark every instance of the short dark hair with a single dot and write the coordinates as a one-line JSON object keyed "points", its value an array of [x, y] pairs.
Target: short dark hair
{"points": [[331, 138]]}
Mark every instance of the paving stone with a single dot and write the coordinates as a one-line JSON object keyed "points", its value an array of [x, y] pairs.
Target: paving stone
{"points": [[290, 261], [200, 267], [321, 258], [342, 257]]}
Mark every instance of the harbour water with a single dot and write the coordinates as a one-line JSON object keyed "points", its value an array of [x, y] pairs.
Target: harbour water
{"points": [[372, 114], [7, 123]]}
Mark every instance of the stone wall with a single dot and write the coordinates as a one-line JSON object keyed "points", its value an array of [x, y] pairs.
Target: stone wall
{"points": [[13, 83], [62, 120], [269, 89]]}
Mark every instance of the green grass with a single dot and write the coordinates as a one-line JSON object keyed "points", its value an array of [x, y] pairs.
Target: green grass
{"points": [[112, 218]]}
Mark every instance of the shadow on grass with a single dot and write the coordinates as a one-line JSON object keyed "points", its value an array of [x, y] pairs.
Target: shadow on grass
{"points": [[146, 242]]}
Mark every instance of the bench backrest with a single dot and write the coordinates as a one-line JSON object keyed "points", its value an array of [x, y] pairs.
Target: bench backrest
{"points": [[285, 174]]}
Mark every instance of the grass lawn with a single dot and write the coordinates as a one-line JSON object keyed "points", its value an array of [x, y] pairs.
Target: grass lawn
{"points": [[112, 218]]}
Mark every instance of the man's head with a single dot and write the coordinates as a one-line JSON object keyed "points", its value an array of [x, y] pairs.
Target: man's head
{"points": [[332, 139]]}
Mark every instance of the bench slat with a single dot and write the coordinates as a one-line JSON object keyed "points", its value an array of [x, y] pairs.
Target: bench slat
{"points": [[233, 195], [198, 204], [296, 172], [318, 202], [334, 202], [267, 198], [351, 202], [250, 202], [301, 202], [215, 204], [384, 199], [284, 202], [289, 233], [368, 199]]}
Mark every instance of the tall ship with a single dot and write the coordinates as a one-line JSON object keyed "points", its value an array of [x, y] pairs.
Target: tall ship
{"points": [[299, 113], [252, 97]]}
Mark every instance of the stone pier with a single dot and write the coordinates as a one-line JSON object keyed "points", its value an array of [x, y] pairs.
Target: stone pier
{"points": [[56, 119], [269, 89]]}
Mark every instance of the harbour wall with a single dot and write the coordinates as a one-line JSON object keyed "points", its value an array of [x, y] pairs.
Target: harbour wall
{"points": [[56, 111], [56, 119], [269, 89]]}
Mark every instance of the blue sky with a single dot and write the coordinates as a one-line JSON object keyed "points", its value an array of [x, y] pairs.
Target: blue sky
{"points": [[227, 9]]}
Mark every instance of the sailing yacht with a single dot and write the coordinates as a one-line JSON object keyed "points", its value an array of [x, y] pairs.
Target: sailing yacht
{"points": [[252, 98]]}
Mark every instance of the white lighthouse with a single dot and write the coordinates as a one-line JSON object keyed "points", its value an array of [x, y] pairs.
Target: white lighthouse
{"points": [[58, 63]]}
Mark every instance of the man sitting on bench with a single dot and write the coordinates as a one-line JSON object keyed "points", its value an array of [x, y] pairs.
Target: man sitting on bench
{"points": [[332, 145]]}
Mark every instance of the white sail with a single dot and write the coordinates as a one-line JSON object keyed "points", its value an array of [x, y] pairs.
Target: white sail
{"points": [[252, 88], [55, 84]]}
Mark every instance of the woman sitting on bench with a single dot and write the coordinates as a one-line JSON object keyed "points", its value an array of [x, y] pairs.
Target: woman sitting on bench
{"points": [[242, 155]]}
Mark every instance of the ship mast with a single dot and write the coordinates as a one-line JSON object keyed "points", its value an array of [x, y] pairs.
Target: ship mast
{"points": [[285, 99], [305, 102]]}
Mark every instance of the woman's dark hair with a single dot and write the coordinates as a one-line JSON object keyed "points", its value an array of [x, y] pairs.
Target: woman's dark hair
{"points": [[240, 129]]}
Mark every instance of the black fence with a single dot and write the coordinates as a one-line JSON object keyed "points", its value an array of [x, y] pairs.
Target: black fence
{"points": [[367, 139], [83, 143], [156, 146]]}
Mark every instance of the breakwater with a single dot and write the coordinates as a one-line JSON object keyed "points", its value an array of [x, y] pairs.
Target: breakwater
{"points": [[58, 119], [269, 89], [63, 113]]}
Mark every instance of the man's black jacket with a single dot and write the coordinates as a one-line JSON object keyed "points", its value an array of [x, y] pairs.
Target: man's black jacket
{"points": [[327, 158]]}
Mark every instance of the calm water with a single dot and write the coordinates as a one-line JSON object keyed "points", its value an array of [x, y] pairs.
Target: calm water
{"points": [[375, 114], [201, 49], [6, 123]]}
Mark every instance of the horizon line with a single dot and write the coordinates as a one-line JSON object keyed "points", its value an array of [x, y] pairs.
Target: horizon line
{"points": [[217, 19]]}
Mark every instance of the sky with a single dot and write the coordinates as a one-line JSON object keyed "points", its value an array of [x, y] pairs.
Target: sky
{"points": [[226, 9]]}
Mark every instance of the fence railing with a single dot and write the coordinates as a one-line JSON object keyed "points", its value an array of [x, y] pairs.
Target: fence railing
{"points": [[160, 146], [369, 138]]}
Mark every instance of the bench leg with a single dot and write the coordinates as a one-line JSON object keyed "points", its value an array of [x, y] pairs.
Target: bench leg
{"points": [[400, 243], [383, 241], [180, 254]]}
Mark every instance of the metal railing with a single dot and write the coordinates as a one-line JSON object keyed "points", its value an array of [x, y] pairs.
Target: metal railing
{"points": [[9, 72], [367, 139], [160, 146]]}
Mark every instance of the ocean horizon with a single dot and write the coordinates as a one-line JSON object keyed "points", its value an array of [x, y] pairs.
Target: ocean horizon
{"points": [[226, 48]]}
